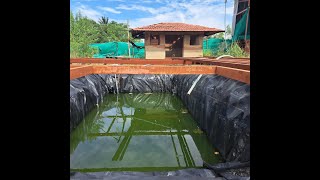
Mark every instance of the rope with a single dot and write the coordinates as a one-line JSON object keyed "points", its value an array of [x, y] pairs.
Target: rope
{"points": [[223, 56], [133, 44]]}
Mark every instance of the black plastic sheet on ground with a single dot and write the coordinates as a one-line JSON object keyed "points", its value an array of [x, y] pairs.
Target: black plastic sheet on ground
{"points": [[221, 106], [147, 83], [85, 93]]}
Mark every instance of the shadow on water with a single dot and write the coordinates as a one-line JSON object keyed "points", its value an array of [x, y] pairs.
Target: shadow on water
{"points": [[139, 132]]}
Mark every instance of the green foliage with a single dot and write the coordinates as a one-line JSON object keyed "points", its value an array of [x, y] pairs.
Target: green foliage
{"points": [[115, 32], [236, 51], [233, 50], [207, 53], [84, 31]]}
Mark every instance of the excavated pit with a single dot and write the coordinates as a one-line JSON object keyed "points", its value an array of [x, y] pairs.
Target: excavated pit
{"points": [[220, 107]]}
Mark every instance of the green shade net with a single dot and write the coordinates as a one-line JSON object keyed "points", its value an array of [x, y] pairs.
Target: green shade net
{"points": [[214, 44], [114, 49], [240, 29]]}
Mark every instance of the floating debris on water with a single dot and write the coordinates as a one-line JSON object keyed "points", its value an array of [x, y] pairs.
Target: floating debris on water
{"points": [[216, 152], [147, 93], [197, 131], [184, 111]]}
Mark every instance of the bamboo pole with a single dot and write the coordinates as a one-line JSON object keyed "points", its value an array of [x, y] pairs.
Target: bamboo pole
{"points": [[128, 38]]}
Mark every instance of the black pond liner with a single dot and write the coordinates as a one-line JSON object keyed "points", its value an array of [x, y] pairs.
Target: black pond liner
{"points": [[221, 107]]}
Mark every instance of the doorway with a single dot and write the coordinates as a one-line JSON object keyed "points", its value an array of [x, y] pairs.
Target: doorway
{"points": [[174, 45]]}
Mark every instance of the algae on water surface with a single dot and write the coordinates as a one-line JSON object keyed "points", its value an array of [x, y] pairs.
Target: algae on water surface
{"points": [[139, 132]]}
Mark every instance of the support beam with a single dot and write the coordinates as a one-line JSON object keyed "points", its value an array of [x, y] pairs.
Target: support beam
{"points": [[140, 133], [242, 63], [77, 72], [122, 61], [232, 73], [153, 69], [234, 68]]}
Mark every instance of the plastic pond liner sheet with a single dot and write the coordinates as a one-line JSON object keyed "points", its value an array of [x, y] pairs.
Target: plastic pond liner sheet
{"points": [[220, 108]]}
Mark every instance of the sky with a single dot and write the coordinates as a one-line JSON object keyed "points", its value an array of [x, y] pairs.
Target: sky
{"points": [[208, 13]]}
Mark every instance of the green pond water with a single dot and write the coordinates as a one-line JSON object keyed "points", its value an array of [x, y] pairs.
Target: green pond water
{"points": [[139, 132]]}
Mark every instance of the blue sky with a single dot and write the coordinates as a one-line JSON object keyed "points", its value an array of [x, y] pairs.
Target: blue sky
{"points": [[145, 12]]}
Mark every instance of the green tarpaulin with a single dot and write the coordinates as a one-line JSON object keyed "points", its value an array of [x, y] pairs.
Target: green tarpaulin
{"points": [[115, 49]]}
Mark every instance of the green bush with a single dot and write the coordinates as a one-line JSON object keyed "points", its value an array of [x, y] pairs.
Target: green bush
{"points": [[233, 50], [207, 52], [236, 51], [82, 50]]}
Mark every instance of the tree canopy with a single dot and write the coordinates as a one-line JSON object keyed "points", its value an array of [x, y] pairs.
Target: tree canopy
{"points": [[84, 31]]}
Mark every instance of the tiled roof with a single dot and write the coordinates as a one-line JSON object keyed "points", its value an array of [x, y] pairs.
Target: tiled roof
{"points": [[170, 26]]}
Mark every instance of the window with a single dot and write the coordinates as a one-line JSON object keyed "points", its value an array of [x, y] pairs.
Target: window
{"points": [[154, 40], [194, 40]]}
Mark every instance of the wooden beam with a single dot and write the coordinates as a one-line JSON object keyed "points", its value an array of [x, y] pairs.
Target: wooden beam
{"points": [[130, 61], [153, 69], [140, 133], [240, 65], [233, 65], [243, 63], [242, 75], [232, 73], [80, 71]]}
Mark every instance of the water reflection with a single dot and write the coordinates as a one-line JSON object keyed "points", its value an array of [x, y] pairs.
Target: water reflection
{"points": [[139, 132]]}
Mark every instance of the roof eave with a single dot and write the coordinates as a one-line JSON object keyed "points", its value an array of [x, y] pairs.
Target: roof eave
{"points": [[140, 33]]}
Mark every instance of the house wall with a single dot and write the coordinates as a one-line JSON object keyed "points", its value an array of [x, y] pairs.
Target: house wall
{"points": [[154, 51], [159, 51], [192, 50]]}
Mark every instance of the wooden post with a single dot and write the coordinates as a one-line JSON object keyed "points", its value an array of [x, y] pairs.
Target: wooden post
{"points": [[207, 42], [245, 34], [133, 52], [128, 38]]}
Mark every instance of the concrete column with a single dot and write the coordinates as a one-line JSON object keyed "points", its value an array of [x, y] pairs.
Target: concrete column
{"points": [[147, 39], [186, 40], [201, 41], [162, 39]]}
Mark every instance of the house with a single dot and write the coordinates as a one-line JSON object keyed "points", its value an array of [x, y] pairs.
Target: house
{"points": [[165, 40]]}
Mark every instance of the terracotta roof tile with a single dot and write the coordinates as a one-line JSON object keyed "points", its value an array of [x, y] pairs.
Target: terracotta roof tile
{"points": [[170, 26]]}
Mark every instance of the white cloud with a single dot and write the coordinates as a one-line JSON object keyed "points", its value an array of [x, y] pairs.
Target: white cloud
{"points": [[202, 12], [108, 9], [143, 8], [116, 0], [206, 13], [144, 1], [83, 0], [89, 12]]}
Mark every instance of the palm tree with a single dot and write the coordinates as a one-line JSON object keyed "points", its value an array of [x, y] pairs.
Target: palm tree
{"points": [[103, 20]]}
